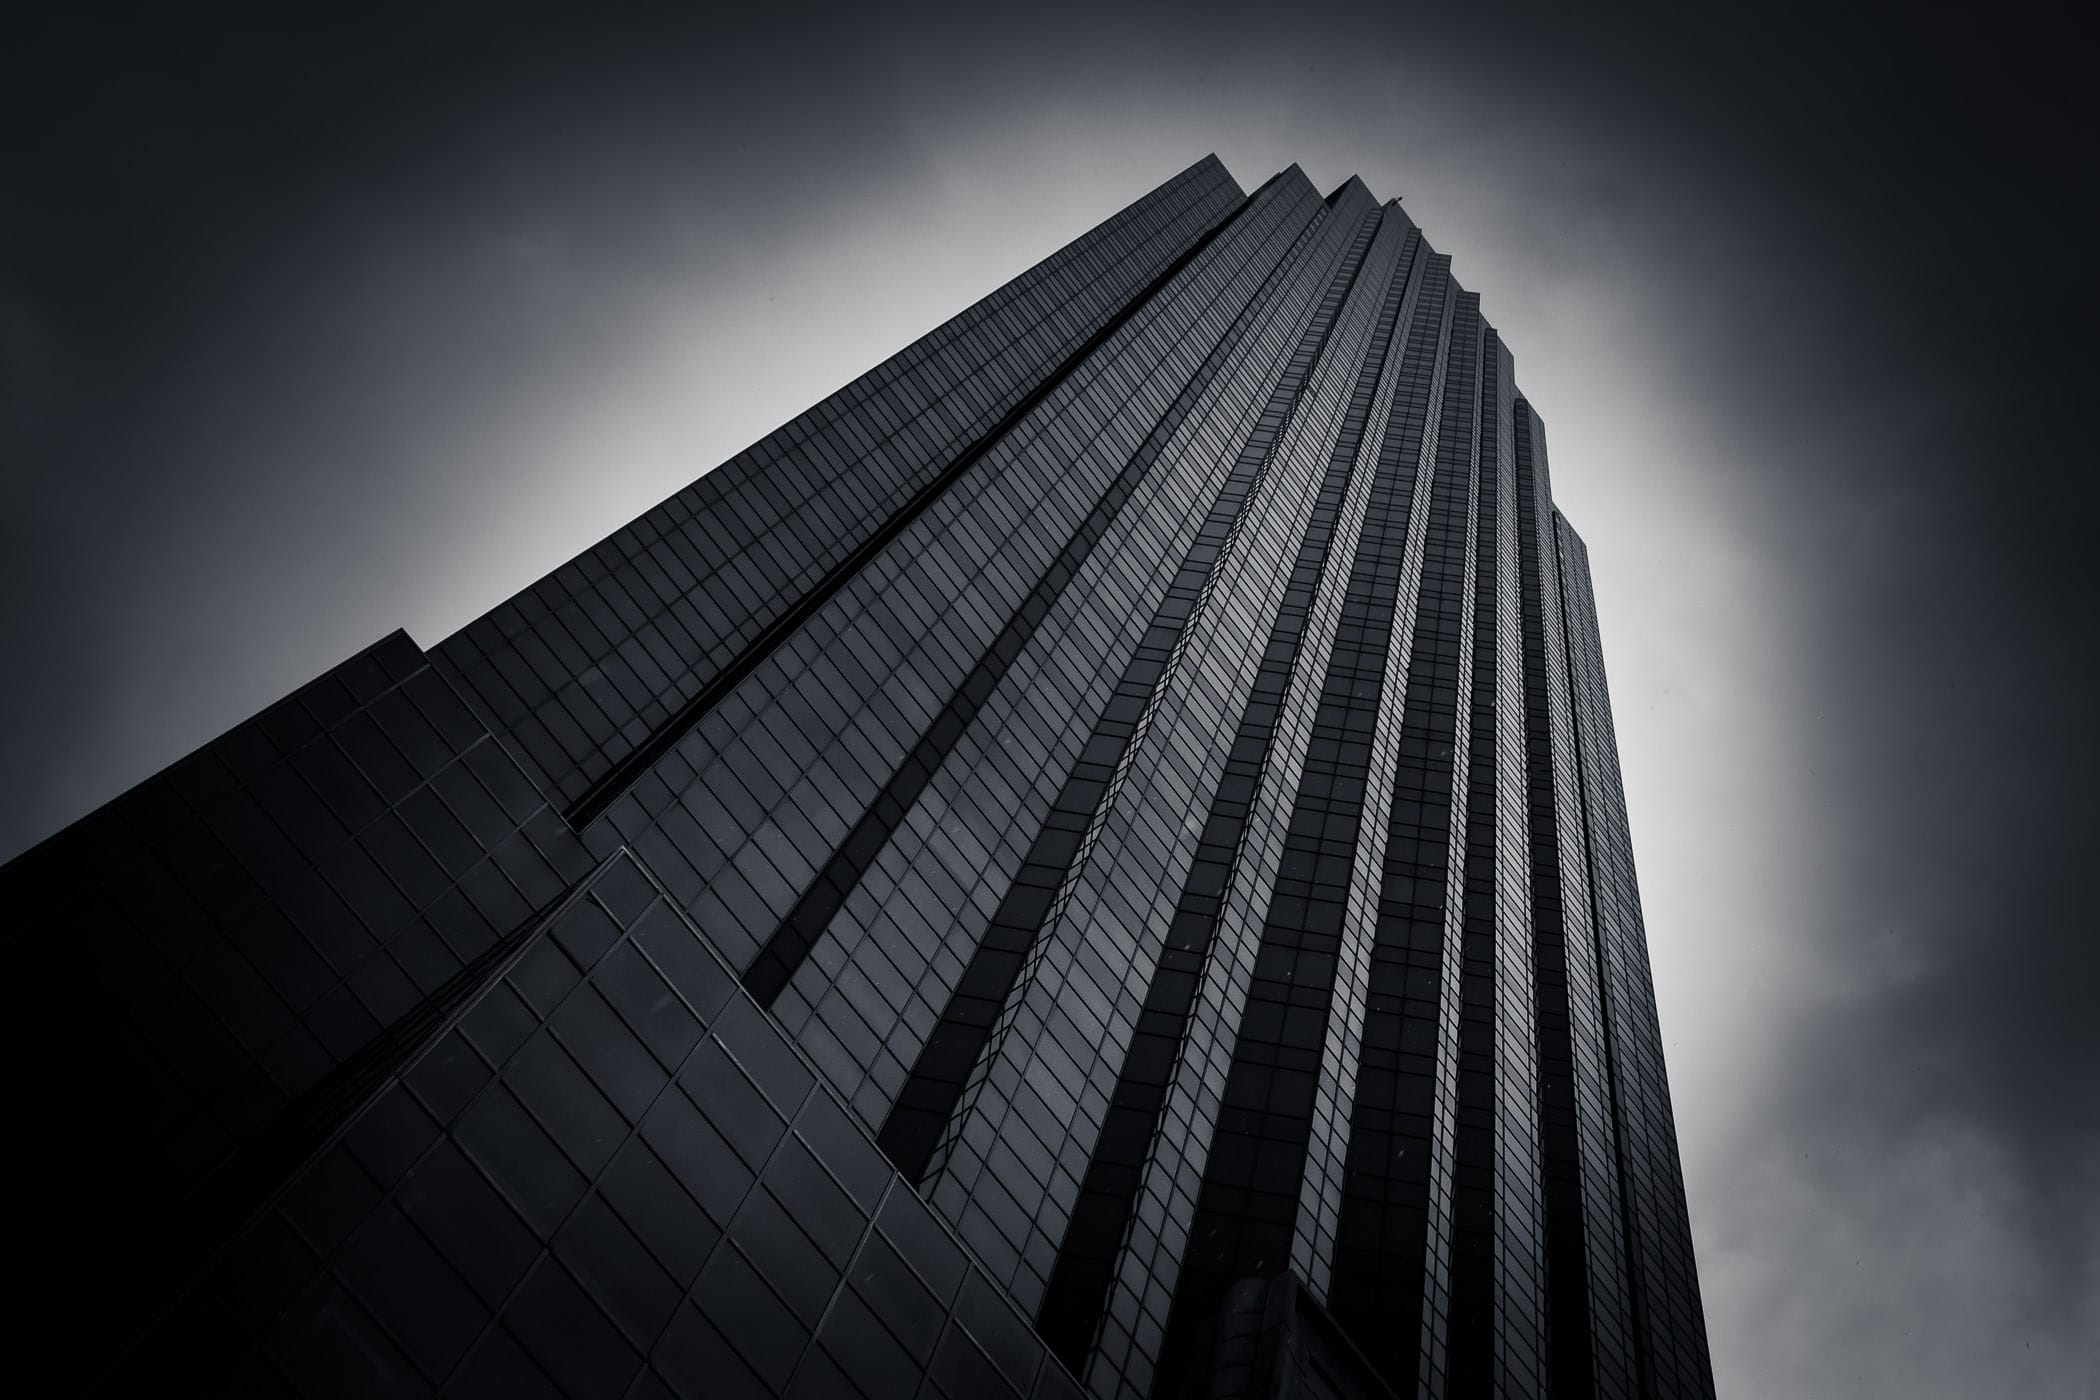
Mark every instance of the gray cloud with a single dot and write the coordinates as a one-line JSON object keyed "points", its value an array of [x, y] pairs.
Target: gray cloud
{"points": [[310, 332]]}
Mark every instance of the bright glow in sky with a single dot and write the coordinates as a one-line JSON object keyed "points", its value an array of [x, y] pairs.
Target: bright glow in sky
{"points": [[299, 366]]}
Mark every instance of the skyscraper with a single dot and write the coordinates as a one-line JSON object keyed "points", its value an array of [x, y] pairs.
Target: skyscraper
{"points": [[1091, 861]]}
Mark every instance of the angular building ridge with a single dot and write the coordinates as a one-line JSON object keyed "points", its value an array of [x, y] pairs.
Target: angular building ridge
{"points": [[1091, 861]]}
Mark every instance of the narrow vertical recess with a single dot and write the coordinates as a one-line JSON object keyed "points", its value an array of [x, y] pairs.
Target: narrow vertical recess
{"points": [[1377, 1288], [1571, 1361], [1471, 1342], [1079, 1281], [1248, 1201], [913, 1128]]}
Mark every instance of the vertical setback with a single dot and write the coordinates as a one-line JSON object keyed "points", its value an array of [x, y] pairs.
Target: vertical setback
{"points": [[915, 1123], [1078, 1289], [782, 953], [1389, 1210], [1248, 1203]]}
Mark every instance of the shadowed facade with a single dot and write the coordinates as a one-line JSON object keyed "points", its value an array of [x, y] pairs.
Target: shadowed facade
{"points": [[1093, 860]]}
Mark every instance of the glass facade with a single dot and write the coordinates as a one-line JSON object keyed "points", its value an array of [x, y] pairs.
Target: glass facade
{"points": [[1092, 861]]}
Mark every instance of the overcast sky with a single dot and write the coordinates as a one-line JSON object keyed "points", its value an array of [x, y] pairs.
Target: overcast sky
{"points": [[314, 328]]}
